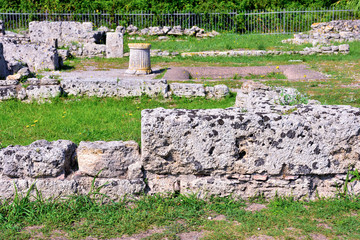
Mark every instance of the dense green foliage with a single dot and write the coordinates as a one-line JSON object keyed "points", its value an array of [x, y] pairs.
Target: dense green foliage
{"points": [[156, 6]]}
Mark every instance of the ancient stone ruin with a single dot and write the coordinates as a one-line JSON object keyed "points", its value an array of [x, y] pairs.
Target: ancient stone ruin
{"points": [[139, 62], [268, 148], [168, 30], [327, 32]]}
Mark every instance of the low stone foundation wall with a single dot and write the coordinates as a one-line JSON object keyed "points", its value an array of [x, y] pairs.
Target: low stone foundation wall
{"points": [[342, 49], [303, 151], [41, 89]]}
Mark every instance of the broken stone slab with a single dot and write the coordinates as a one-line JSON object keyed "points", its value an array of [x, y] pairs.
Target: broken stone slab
{"points": [[187, 89], [114, 45], [37, 160], [309, 140], [108, 159]]}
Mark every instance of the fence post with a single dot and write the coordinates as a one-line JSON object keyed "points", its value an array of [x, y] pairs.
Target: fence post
{"points": [[284, 21]]}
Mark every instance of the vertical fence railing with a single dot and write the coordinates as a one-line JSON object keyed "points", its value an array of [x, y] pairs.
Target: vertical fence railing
{"points": [[279, 21]]}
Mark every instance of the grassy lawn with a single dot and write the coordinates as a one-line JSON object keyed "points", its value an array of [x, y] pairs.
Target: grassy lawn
{"points": [[86, 119], [168, 216]]}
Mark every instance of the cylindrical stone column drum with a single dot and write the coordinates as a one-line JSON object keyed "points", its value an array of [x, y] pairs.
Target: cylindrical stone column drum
{"points": [[139, 62]]}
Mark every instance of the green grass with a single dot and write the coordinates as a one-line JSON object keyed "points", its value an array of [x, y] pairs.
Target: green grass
{"points": [[78, 217], [86, 119], [223, 42]]}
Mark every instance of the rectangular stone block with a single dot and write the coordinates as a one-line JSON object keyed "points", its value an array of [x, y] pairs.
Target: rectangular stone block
{"points": [[113, 159], [39, 159], [114, 45], [313, 139]]}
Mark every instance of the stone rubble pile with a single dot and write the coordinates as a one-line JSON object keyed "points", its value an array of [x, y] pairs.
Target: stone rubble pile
{"points": [[326, 32], [304, 151], [167, 30]]}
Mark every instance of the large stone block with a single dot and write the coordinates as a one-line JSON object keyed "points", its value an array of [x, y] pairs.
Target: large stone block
{"points": [[113, 159], [231, 152], [36, 57], [311, 140], [39, 159], [66, 32], [114, 45]]}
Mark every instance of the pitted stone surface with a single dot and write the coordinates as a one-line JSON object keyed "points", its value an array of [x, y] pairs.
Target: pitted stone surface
{"points": [[114, 88], [257, 97], [187, 89], [114, 45], [39, 159], [335, 31], [312, 140], [218, 91], [246, 186], [36, 57], [113, 159], [7, 92], [65, 32], [42, 91], [223, 152]]}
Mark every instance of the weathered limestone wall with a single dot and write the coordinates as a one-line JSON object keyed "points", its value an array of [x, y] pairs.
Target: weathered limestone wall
{"points": [[228, 151], [36, 57], [65, 32], [52, 166], [264, 145], [46, 88], [306, 154]]}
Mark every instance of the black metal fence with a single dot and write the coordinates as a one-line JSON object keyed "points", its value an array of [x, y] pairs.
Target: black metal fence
{"points": [[276, 22]]}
